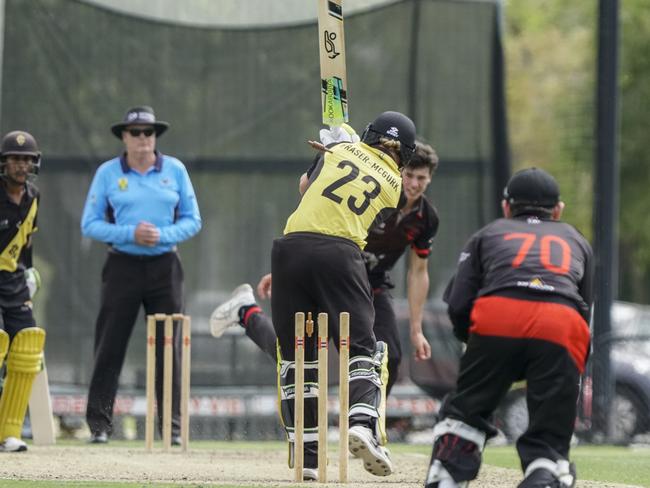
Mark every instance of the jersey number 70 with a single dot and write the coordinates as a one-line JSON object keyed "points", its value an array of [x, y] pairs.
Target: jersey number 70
{"points": [[545, 244]]}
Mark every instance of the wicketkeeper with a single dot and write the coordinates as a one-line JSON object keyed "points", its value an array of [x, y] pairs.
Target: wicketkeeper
{"points": [[521, 300], [21, 342]]}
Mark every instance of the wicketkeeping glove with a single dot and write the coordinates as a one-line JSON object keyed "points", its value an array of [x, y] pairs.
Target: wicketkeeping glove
{"points": [[33, 279], [336, 134]]}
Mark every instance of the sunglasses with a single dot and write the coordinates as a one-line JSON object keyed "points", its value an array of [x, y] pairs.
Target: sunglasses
{"points": [[137, 132]]}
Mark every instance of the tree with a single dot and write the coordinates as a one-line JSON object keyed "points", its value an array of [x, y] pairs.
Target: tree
{"points": [[551, 71], [635, 156]]}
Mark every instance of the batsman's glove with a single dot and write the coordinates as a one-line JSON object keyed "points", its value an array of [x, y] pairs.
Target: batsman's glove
{"points": [[370, 260], [33, 279], [336, 134]]}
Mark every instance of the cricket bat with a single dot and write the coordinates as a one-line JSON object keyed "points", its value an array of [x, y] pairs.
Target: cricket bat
{"points": [[331, 45], [40, 411]]}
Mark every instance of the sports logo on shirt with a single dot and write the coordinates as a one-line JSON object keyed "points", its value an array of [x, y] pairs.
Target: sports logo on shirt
{"points": [[165, 181], [123, 184], [536, 284]]}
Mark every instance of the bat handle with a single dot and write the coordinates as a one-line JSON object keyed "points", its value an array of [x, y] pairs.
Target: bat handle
{"points": [[318, 146]]}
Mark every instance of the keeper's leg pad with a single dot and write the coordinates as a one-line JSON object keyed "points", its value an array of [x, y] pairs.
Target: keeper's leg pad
{"points": [[4, 346], [544, 473], [457, 453], [439, 477], [368, 379], [24, 362]]}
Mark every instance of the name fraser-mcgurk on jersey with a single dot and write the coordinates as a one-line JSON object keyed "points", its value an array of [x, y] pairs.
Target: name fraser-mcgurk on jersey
{"points": [[390, 179]]}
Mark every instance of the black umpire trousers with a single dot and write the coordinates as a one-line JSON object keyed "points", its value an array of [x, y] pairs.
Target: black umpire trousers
{"points": [[129, 282]]}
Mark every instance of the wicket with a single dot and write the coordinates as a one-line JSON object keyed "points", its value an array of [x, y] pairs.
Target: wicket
{"points": [[344, 395], [183, 321]]}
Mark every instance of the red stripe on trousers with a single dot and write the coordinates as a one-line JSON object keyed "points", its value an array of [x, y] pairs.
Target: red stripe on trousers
{"points": [[525, 319]]}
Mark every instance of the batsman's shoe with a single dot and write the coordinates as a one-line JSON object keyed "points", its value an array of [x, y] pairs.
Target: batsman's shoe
{"points": [[309, 474], [227, 313], [376, 459], [12, 444]]}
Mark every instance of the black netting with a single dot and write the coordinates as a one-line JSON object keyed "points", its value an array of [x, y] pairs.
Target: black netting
{"points": [[241, 104]]}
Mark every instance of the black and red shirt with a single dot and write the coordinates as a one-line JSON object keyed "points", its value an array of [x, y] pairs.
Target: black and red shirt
{"points": [[526, 258], [389, 239]]}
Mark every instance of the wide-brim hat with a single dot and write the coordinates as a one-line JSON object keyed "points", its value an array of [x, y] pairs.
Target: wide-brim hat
{"points": [[142, 115]]}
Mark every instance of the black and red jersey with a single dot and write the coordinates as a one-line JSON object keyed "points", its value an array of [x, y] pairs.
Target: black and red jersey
{"points": [[526, 258], [388, 240]]}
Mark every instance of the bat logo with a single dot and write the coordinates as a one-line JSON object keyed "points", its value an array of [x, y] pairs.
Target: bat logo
{"points": [[330, 47]]}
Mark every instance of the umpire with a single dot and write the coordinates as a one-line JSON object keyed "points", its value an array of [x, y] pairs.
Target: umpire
{"points": [[142, 204]]}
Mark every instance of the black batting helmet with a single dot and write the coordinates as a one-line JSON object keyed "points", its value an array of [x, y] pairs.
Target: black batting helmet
{"points": [[21, 143], [396, 126]]}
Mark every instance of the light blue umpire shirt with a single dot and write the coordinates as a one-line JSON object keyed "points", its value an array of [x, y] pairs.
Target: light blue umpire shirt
{"points": [[120, 198]]}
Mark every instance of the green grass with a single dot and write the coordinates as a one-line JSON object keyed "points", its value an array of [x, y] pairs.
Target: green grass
{"points": [[625, 465], [598, 463]]}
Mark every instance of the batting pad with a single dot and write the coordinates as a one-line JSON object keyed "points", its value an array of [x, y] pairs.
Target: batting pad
{"points": [[286, 380], [382, 435], [23, 364], [368, 378], [4, 346]]}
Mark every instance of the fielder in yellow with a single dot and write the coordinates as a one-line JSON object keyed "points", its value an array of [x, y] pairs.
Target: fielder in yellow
{"points": [[21, 342]]}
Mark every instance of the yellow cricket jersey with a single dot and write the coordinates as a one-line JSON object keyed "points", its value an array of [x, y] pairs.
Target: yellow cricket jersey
{"points": [[17, 224], [347, 190]]}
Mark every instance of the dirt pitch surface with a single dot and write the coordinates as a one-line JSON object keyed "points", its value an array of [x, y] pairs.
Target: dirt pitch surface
{"points": [[240, 467]]}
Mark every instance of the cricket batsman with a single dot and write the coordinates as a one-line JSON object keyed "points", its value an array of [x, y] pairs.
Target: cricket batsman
{"points": [[317, 266], [21, 342]]}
